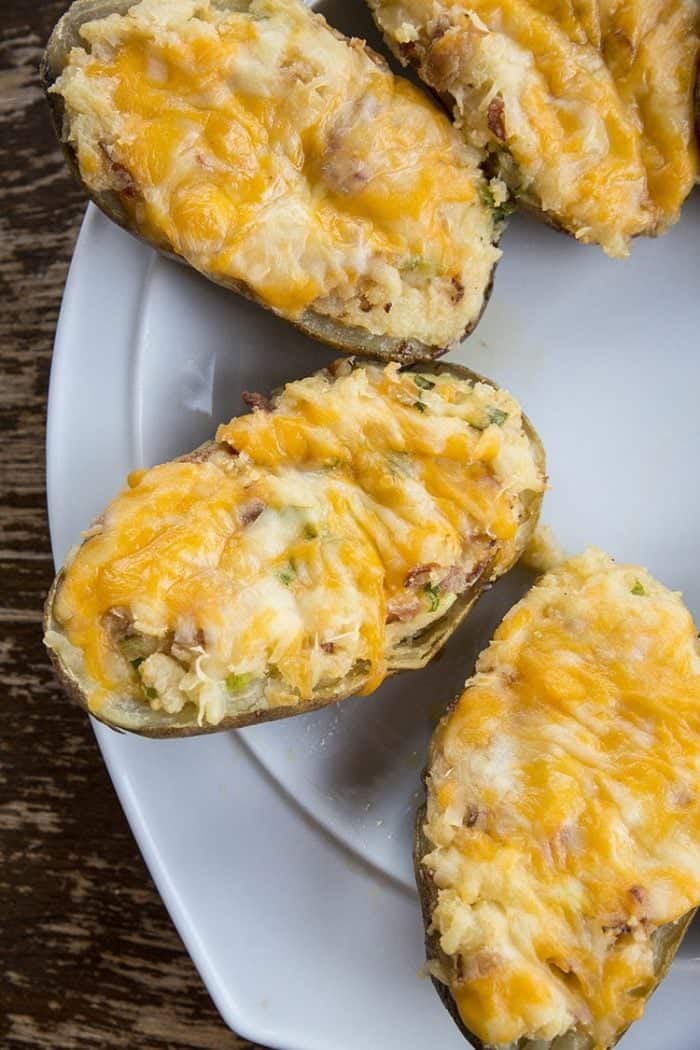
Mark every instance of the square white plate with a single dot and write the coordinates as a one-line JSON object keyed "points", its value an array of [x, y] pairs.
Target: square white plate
{"points": [[283, 852]]}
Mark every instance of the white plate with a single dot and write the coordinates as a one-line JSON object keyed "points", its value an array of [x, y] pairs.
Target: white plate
{"points": [[283, 852]]}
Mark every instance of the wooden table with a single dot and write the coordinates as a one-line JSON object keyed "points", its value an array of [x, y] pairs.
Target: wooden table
{"points": [[88, 956]]}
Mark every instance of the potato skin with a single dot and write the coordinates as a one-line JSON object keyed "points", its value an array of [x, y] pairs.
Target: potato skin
{"points": [[418, 653], [347, 338], [666, 942]]}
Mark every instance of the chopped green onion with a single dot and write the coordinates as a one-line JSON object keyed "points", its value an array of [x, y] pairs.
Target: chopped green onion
{"points": [[433, 593], [493, 416], [419, 405], [486, 194], [497, 416], [136, 647], [500, 211], [286, 576], [638, 588], [310, 532], [236, 682], [151, 693], [423, 383], [137, 662], [423, 267]]}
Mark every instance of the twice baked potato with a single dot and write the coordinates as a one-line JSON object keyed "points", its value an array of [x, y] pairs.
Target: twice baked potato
{"points": [[585, 109], [333, 536], [280, 159], [558, 854]]}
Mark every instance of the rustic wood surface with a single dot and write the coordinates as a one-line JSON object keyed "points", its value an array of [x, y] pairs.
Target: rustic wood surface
{"points": [[88, 956]]}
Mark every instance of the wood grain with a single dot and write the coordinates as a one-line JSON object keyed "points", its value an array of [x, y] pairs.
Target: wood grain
{"points": [[88, 956]]}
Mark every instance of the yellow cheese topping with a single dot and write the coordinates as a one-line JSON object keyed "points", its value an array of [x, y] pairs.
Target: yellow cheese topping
{"points": [[266, 148], [308, 546], [588, 105], [564, 805]]}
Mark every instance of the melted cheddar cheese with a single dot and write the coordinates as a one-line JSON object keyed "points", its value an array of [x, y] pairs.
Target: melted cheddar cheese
{"points": [[316, 538], [586, 106], [563, 813], [265, 148]]}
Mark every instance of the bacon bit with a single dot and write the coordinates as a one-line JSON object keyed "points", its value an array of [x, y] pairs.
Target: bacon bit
{"points": [[618, 927], [457, 293], [256, 401], [420, 575], [342, 169], [638, 893], [401, 610], [457, 580], [328, 647], [408, 50], [446, 58], [123, 180], [439, 27], [471, 817], [250, 511], [365, 304], [495, 118], [387, 307]]}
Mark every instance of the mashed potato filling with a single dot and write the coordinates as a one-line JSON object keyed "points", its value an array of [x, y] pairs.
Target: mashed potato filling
{"points": [[586, 107], [563, 811], [317, 537], [266, 148]]}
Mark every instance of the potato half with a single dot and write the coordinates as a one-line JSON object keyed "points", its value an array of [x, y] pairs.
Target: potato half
{"points": [[584, 108], [281, 160], [558, 853], [335, 535]]}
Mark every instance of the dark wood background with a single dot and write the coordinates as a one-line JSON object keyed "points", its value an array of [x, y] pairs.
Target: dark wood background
{"points": [[88, 956]]}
